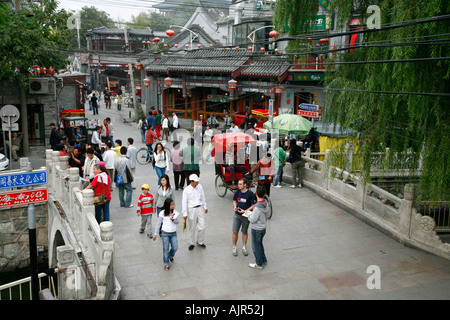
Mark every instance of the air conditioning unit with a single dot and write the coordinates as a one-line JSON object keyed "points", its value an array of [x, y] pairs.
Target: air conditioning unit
{"points": [[38, 86]]}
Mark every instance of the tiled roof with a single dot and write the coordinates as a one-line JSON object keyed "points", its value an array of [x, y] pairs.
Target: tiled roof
{"points": [[201, 60], [267, 66]]}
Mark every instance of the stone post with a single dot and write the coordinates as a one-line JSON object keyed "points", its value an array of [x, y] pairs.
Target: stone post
{"points": [[88, 214], [67, 273], [74, 182], [55, 166], [106, 276], [326, 163], [405, 210]]}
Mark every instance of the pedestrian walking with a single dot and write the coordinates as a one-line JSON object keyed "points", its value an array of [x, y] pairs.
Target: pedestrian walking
{"points": [[158, 120], [168, 221], [191, 158], [161, 160], [109, 158], [243, 200], [145, 210], [175, 122], [119, 99], [132, 155], [94, 102], [104, 135], [295, 158], [151, 119], [207, 144], [55, 136], [163, 192], [142, 127], [280, 160], [108, 99], [121, 167], [150, 137], [258, 220], [165, 128], [95, 140], [112, 131], [101, 185], [177, 166], [194, 209]]}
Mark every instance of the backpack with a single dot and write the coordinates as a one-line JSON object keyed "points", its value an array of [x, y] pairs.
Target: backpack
{"points": [[119, 176], [144, 125]]}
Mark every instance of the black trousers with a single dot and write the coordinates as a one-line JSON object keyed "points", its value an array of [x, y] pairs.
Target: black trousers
{"points": [[179, 179]]}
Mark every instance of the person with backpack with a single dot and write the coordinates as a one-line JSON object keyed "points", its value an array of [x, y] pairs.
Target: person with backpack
{"points": [[142, 127], [121, 167], [161, 161], [295, 158]]}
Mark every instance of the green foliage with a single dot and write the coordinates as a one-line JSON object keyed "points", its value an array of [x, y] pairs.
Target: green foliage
{"points": [[408, 130], [27, 41], [90, 17]]}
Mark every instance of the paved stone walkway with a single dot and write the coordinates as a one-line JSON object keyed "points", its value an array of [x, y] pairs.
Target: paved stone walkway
{"points": [[315, 250]]}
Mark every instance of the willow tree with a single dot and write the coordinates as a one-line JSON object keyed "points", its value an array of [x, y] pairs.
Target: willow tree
{"points": [[398, 100]]}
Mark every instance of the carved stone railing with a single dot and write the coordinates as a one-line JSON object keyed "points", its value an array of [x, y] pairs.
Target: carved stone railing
{"points": [[86, 260], [390, 214]]}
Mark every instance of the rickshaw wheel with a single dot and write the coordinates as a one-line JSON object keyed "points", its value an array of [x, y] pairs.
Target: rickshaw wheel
{"points": [[269, 203], [221, 186]]}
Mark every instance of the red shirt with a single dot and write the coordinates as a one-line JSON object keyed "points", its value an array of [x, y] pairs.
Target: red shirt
{"points": [[145, 204], [150, 136], [98, 189]]}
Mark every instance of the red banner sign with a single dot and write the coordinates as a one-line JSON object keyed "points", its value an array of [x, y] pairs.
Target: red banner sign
{"points": [[311, 114], [23, 197]]}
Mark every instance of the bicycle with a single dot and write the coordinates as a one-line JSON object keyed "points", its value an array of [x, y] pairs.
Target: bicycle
{"points": [[143, 156]]}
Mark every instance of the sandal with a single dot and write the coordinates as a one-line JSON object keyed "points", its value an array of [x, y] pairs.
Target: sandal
{"points": [[166, 268], [172, 260]]}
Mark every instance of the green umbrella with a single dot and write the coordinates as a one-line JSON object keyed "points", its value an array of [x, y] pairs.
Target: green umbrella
{"points": [[290, 123]]}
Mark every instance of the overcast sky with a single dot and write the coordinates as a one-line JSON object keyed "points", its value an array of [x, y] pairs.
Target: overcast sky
{"points": [[115, 12]]}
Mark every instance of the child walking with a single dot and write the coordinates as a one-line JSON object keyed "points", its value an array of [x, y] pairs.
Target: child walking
{"points": [[168, 221], [145, 210]]}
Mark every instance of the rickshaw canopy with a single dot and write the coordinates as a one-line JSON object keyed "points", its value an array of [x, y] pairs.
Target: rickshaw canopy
{"points": [[224, 141]]}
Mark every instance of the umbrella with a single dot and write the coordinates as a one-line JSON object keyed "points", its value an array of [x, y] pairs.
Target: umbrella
{"points": [[290, 123]]}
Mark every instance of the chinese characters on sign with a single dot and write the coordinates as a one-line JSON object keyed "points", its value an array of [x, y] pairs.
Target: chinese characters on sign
{"points": [[23, 197], [24, 179]]}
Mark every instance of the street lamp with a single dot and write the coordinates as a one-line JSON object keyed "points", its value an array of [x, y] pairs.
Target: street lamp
{"points": [[232, 84], [192, 34], [147, 82]]}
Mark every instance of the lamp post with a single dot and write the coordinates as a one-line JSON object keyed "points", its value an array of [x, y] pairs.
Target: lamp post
{"points": [[251, 36]]}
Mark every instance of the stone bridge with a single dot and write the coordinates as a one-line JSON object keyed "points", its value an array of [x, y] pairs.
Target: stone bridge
{"points": [[83, 251]]}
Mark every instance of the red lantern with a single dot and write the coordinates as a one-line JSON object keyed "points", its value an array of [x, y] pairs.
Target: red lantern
{"points": [[199, 46], [263, 49], [165, 45], [237, 47], [51, 71], [274, 34], [250, 48], [187, 46], [156, 39], [278, 90], [43, 71], [139, 66], [175, 45], [147, 82], [323, 40], [170, 32], [211, 45], [232, 84], [168, 81]]}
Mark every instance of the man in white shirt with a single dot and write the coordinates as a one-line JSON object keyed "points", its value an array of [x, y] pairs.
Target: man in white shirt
{"points": [[194, 208], [95, 140], [131, 154], [174, 121], [109, 157], [233, 128]]}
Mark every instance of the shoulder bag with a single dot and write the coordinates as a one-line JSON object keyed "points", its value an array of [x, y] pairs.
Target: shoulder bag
{"points": [[101, 198]]}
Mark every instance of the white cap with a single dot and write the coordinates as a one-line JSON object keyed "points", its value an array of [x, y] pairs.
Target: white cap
{"points": [[194, 177]]}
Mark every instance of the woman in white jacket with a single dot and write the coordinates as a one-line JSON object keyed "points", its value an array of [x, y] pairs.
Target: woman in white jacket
{"points": [[161, 160]]}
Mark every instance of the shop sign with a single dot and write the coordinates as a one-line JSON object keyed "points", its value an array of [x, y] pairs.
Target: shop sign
{"points": [[217, 98], [23, 197], [24, 179], [309, 107], [309, 114]]}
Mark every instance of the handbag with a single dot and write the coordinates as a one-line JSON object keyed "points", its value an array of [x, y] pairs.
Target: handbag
{"points": [[119, 176], [101, 198]]}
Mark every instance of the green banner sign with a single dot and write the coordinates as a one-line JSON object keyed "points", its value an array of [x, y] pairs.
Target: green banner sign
{"points": [[312, 77]]}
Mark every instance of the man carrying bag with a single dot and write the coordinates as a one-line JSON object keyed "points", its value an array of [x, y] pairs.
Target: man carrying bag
{"points": [[123, 180]]}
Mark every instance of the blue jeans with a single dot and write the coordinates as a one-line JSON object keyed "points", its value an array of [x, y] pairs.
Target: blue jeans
{"points": [[278, 175], [172, 240], [125, 202], [258, 247], [160, 172], [143, 135], [98, 212], [150, 149]]}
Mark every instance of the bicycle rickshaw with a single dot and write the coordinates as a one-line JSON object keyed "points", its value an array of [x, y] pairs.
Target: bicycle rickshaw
{"points": [[222, 143]]}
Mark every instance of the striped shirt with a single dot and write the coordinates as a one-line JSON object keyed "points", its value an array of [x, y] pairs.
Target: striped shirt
{"points": [[145, 204]]}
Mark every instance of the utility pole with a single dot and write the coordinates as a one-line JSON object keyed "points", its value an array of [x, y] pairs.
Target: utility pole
{"points": [[130, 71]]}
